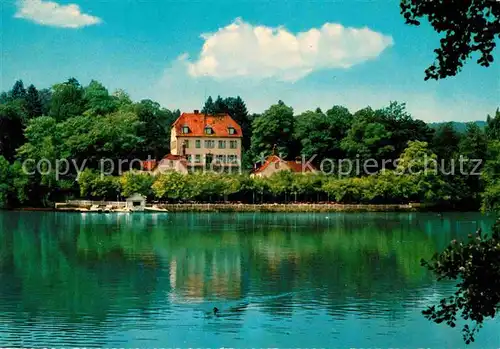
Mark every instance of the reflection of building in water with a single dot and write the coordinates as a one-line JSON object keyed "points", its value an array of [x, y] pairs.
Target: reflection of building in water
{"points": [[198, 274], [173, 274]]}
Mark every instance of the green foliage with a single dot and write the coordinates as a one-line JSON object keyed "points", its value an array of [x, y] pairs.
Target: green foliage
{"points": [[367, 138], [132, 183], [18, 91], [476, 265], [11, 128], [446, 141], [491, 178], [87, 124], [67, 100], [174, 186], [321, 134], [13, 183], [34, 106], [97, 99], [273, 128], [4, 181], [94, 185], [470, 27], [154, 129], [493, 126]]}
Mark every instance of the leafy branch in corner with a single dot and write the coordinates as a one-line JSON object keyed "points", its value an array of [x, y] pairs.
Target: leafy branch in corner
{"points": [[469, 26], [476, 264]]}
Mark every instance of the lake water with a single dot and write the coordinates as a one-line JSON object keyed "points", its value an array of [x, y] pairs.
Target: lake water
{"points": [[279, 280]]}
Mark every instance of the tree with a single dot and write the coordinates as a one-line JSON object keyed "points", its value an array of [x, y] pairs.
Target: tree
{"points": [[446, 141], [97, 99], [18, 91], [321, 134], [155, 128], [45, 98], [174, 186], [468, 26], [419, 163], [122, 98], [493, 126], [273, 128], [94, 185], [476, 265], [220, 105], [136, 183], [42, 148], [34, 107], [4, 182], [491, 178], [237, 109], [92, 139], [11, 129], [367, 138], [473, 144], [208, 108], [403, 127], [67, 100]]}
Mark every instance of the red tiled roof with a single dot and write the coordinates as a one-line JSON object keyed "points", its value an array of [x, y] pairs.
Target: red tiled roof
{"points": [[292, 165], [172, 157], [150, 165], [196, 122], [182, 160]]}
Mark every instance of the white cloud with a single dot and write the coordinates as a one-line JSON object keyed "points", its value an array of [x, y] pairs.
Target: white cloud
{"points": [[259, 52], [53, 14]]}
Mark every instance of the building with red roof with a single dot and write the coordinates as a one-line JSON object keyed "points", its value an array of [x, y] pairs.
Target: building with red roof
{"points": [[204, 139], [274, 164]]}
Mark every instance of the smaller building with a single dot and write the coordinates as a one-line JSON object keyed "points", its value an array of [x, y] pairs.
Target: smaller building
{"points": [[136, 202], [169, 163], [274, 164], [172, 162]]}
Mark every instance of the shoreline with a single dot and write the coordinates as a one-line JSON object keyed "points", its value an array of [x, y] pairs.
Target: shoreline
{"points": [[234, 207]]}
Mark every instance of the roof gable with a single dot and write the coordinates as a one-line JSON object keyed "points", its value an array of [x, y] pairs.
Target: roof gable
{"points": [[293, 166], [196, 123]]}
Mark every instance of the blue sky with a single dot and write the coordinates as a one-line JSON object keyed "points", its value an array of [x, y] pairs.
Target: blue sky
{"points": [[307, 53]]}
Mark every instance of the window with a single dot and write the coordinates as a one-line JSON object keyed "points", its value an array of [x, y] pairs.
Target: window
{"points": [[221, 158], [231, 130], [190, 158], [197, 158], [209, 144], [233, 144], [208, 130], [171, 163], [198, 143], [185, 129], [186, 143], [231, 158], [222, 144]]}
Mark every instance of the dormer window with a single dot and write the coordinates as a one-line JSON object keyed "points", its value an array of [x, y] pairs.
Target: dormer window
{"points": [[231, 130], [208, 130], [185, 129]]}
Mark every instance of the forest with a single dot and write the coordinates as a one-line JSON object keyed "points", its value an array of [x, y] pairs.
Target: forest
{"points": [[84, 124]]}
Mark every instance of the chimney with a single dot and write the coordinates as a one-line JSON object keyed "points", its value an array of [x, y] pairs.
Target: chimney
{"points": [[196, 111]]}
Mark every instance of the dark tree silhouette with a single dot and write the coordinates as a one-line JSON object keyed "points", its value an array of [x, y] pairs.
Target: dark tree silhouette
{"points": [[469, 26]]}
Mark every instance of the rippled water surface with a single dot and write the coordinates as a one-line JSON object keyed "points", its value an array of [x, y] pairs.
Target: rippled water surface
{"points": [[279, 280]]}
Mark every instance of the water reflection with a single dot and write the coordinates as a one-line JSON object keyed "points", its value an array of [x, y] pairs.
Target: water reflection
{"points": [[99, 274]]}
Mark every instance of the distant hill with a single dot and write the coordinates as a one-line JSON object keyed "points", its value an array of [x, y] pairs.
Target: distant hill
{"points": [[458, 126]]}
